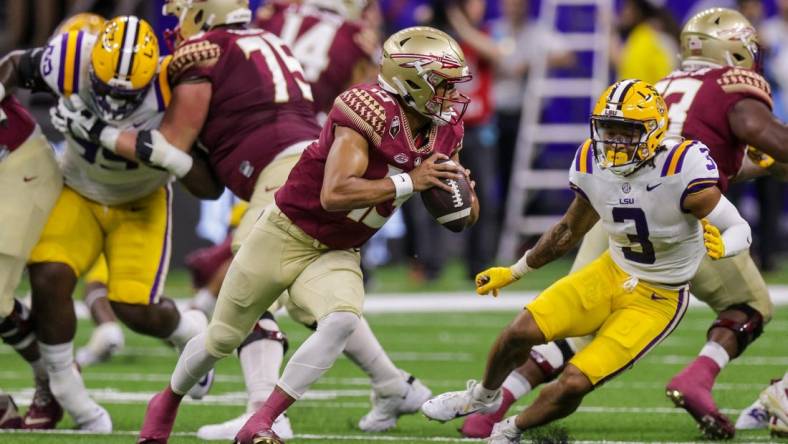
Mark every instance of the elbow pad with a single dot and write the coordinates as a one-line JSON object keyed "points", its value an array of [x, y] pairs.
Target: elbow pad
{"points": [[735, 231]]}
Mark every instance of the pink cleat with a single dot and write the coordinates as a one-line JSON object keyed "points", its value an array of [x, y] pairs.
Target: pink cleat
{"points": [[691, 390], [480, 425], [159, 417]]}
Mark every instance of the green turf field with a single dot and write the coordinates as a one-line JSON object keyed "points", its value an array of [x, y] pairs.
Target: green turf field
{"points": [[444, 350]]}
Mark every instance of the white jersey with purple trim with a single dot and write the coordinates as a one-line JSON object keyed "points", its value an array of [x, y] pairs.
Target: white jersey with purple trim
{"points": [[93, 171], [652, 237]]}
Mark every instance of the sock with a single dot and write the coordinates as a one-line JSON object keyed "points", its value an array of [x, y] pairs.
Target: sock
{"points": [[318, 353], [480, 393], [192, 323], [192, 365], [715, 352], [364, 349], [260, 362], [66, 383], [517, 385], [205, 301], [276, 404], [40, 371]]}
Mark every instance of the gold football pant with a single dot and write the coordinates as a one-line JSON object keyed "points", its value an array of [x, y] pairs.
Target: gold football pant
{"points": [[278, 256], [30, 182], [627, 323]]}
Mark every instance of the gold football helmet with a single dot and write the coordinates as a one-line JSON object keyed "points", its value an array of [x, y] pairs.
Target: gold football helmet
{"points": [[84, 21], [628, 125], [350, 9], [196, 16], [422, 65], [122, 65], [720, 36]]}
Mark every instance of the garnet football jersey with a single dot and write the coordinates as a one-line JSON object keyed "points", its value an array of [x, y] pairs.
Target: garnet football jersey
{"points": [[260, 102], [377, 116], [323, 42], [699, 101], [16, 125]]}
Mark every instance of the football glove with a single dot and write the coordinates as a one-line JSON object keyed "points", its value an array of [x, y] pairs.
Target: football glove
{"points": [[712, 238], [493, 279], [760, 158], [76, 120]]}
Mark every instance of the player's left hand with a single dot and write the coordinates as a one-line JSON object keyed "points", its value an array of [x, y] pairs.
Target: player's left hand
{"points": [[712, 238], [760, 158], [493, 279], [76, 120]]}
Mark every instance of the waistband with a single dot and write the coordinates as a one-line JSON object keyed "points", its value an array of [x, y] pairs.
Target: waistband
{"points": [[295, 149], [280, 219]]}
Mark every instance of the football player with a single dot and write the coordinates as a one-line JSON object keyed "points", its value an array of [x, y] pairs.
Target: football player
{"points": [[379, 145], [656, 198], [719, 98], [109, 204]]}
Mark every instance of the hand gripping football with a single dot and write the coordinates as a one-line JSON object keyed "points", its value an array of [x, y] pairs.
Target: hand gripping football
{"points": [[451, 210]]}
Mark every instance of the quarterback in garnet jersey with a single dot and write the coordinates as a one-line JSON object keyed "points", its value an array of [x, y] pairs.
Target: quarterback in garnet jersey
{"points": [[718, 98], [381, 145], [332, 45]]}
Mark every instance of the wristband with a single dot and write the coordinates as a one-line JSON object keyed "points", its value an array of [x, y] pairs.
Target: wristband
{"points": [[2, 91], [521, 267], [109, 138], [403, 185]]}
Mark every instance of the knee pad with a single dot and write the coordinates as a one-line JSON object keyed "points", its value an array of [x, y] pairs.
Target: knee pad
{"points": [[222, 339], [552, 357], [260, 333], [16, 329], [746, 332], [341, 323]]}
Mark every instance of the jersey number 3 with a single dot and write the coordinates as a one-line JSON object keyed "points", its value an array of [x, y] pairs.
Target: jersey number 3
{"points": [[646, 256]]}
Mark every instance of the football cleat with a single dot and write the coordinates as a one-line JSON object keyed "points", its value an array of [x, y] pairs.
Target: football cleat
{"points": [[44, 412], [712, 423], [101, 423], [386, 410], [261, 437], [106, 340], [753, 417], [453, 405], [159, 418], [9, 414], [480, 425], [203, 386], [229, 429], [505, 432], [775, 399]]}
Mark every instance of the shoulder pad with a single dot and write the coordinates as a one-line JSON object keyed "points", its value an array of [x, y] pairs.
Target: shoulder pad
{"points": [[365, 110], [584, 158], [162, 83], [739, 80], [197, 53], [62, 62]]}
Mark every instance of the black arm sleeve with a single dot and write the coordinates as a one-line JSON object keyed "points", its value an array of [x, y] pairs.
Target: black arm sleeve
{"points": [[29, 71]]}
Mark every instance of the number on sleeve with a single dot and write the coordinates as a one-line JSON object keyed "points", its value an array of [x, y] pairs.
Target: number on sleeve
{"points": [[269, 48], [678, 95], [641, 237]]}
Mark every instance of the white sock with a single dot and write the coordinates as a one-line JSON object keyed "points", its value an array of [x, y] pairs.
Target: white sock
{"points": [[260, 362], [194, 363], [716, 352], [483, 394], [66, 383], [364, 349], [517, 385], [39, 371], [318, 353], [205, 301], [192, 323]]}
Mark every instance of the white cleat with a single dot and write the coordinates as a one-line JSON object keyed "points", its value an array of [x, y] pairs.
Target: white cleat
{"points": [[203, 386], [453, 405], [775, 399], [227, 430], [753, 417], [105, 341], [101, 423], [386, 410], [505, 432]]}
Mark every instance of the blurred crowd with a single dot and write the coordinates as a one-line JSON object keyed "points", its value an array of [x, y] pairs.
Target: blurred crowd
{"points": [[501, 40]]}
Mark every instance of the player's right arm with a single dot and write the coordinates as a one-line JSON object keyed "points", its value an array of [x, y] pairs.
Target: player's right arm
{"points": [[20, 68], [556, 242], [345, 188], [754, 124]]}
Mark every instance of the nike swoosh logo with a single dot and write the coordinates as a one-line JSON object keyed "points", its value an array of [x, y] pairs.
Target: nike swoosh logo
{"points": [[654, 297], [649, 187], [268, 189], [28, 179], [36, 421]]}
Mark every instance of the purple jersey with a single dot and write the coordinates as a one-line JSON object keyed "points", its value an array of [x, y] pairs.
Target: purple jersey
{"points": [[699, 102], [377, 116], [17, 126], [324, 43], [260, 103]]}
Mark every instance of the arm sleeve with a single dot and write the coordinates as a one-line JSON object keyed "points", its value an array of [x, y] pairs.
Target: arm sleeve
{"points": [[736, 233], [29, 72]]}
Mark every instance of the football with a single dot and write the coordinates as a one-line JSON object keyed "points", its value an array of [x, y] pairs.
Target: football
{"points": [[451, 210]]}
